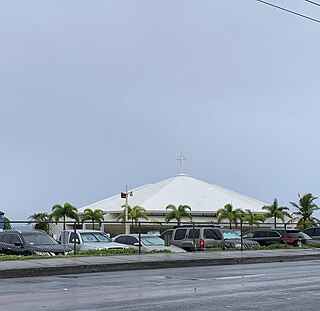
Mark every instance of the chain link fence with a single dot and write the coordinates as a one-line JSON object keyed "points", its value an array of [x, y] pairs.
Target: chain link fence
{"points": [[66, 232], [114, 228]]}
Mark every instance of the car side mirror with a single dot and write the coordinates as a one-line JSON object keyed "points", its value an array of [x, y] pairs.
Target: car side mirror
{"points": [[137, 244], [17, 244]]}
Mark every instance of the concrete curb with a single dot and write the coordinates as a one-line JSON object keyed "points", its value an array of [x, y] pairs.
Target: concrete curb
{"points": [[155, 264]]}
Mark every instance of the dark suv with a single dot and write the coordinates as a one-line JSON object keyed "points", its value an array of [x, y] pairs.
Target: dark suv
{"points": [[199, 237], [30, 242], [276, 236]]}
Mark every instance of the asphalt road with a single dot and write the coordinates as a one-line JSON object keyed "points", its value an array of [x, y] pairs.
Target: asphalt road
{"points": [[272, 286]]}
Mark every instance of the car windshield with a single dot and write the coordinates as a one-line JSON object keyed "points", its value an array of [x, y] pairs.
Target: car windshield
{"points": [[94, 237], [304, 236], [39, 239], [230, 235], [290, 234], [149, 241]]}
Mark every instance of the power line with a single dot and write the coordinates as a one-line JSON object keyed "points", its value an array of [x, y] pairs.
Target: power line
{"points": [[289, 11], [312, 2]]}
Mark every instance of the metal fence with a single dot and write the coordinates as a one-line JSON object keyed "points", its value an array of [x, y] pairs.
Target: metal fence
{"points": [[113, 228]]}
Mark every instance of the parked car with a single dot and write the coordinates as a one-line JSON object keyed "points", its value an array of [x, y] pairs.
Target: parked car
{"points": [[30, 242], [88, 239], [313, 232], [276, 236], [237, 231], [148, 244], [310, 241], [204, 236]]}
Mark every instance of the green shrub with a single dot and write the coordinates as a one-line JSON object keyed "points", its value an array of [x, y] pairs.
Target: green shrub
{"points": [[275, 246], [4, 257], [213, 249]]}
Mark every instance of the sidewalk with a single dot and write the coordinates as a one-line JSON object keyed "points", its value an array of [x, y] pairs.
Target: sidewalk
{"points": [[73, 265]]}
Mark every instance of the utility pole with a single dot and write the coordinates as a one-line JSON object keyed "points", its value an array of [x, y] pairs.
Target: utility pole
{"points": [[124, 195]]}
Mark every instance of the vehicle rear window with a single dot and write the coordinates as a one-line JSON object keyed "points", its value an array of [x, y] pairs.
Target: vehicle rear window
{"points": [[218, 233], [38, 239], [73, 237], [131, 240], [167, 235], [180, 234], [121, 239], [194, 233], [209, 234]]}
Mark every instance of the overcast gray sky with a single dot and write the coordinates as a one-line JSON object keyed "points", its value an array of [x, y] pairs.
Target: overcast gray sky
{"points": [[96, 95]]}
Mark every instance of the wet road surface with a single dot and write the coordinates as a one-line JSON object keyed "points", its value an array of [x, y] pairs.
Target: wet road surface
{"points": [[272, 286]]}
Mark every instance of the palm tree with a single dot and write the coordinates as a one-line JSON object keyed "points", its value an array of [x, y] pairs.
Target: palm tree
{"points": [[6, 223], [276, 212], [252, 219], [229, 213], [134, 214], [138, 212], [93, 215], [67, 210], [177, 213], [122, 216], [41, 220], [305, 208]]}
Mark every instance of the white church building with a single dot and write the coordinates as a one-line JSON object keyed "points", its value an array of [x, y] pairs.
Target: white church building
{"points": [[203, 198]]}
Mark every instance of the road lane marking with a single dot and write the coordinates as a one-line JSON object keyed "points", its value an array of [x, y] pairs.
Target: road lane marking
{"points": [[168, 277], [239, 277]]}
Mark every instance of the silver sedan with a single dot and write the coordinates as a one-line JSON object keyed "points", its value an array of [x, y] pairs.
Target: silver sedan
{"points": [[148, 243]]}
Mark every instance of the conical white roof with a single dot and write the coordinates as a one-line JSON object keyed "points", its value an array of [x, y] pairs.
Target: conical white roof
{"points": [[202, 197]]}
